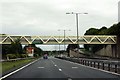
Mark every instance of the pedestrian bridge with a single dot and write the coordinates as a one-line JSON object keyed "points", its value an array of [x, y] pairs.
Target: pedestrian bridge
{"points": [[88, 39]]}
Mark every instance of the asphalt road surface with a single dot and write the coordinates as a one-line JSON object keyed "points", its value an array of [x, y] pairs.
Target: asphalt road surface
{"points": [[53, 68]]}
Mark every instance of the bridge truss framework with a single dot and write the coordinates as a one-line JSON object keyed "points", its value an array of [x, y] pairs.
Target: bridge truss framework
{"points": [[87, 39]]}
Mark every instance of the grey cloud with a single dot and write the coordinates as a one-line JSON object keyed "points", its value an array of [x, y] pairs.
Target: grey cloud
{"points": [[46, 17]]}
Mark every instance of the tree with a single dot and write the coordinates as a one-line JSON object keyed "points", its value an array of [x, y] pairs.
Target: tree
{"points": [[5, 50], [91, 31], [16, 47], [113, 30], [38, 51], [102, 31]]}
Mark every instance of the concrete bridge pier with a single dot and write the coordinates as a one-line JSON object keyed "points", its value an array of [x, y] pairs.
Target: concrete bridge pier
{"points": [[112, 50], [118, 46]]}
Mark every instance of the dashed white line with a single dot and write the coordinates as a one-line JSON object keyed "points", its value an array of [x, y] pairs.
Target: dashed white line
{"points": [[74, 67], [41, 67], [53, 62], [56, 66], [60, 69], [69, 79]]}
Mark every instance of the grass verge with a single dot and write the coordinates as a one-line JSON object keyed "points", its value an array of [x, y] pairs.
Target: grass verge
{"points": [[6, 66]]}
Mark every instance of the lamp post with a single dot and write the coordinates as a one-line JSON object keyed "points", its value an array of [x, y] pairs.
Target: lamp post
{"points": [[77, 24], [64, 35], [59, 43]]}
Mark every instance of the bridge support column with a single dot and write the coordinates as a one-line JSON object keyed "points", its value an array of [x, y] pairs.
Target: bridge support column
{"points": [[108, 50], [114, 51], [118, 46]]}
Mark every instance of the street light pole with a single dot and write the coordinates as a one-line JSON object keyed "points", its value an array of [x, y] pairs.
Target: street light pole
{"points": [[64, 39], [77, 27], [59, 44], [64, 35], [77, 24]]}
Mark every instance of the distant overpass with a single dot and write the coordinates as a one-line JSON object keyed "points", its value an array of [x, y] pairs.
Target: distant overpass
{"points": [[88, 39]]}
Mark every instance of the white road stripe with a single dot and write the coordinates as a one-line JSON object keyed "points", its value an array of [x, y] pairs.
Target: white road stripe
{"points": [[74, 67], [17, 70], [60, 69], [53, 62], [41, 67], [56, 66], [69, 79]]}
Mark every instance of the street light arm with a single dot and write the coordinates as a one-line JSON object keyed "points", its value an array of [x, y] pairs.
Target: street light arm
{"points": [[58, 29], [67, 13], [75, 13], [70, 13], [76, 22], [85, 13]]}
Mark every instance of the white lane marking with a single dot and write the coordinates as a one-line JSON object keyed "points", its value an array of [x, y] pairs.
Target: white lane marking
{"points": [[53, 62], [60, 69], [56, 66], [17, 70], [41, 67], [74, 67], [69, 79], [94, 68]]}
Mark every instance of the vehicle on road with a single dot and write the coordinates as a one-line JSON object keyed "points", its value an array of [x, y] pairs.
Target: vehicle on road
{"points": [[45, 56]]}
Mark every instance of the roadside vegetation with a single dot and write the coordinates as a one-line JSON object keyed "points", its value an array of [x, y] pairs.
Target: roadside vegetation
{"points": [[92, 48], [9, 65], [113, 30], [14, 55], [15, 50]]}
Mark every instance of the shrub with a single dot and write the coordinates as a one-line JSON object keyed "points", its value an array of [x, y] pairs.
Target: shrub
{"points": [[24, 55], [11, 56]]}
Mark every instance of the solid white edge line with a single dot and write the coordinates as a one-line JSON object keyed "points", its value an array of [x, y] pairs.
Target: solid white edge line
{"points": [[18, 70], [94, 68]]}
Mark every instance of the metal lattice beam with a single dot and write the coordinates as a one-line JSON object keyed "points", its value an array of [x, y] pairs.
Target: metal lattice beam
{"points": [[94, 39]]}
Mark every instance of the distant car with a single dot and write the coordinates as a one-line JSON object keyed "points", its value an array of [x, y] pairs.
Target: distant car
{"points": [[45, 56]]}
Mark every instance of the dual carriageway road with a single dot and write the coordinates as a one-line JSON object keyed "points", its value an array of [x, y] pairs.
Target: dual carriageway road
{"points": [[54, 68]]}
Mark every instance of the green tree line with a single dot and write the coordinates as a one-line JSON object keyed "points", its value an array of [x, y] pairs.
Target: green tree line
{"points": [[15, 50], [113, 30]]}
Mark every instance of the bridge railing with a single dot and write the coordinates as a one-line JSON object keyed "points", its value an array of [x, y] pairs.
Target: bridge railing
{"points": [[113, 66]]}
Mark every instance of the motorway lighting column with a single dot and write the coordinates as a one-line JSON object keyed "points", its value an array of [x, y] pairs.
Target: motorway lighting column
{"points": [[64, 35], [59, 43], [77, 24]]}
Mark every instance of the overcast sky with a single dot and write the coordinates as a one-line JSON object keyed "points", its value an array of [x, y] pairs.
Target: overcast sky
{"points": [[45, 17]]}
